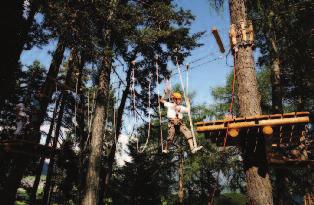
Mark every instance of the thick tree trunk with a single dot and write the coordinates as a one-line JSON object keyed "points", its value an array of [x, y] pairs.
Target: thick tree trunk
{"points": [[254, 151], [20, 163], [282, 194], [181, 177], [118, 127], [15, 30], [58, 128], [282, 197], [42, 159], [92, 188], [97, 132]]}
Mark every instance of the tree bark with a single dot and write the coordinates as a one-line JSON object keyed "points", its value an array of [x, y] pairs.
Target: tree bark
{"points": [[8, 193], [118, 127], [46, 195], [181, 177], [15, 31], [81, 133], [91, 196], [49, 85], [282, 194], [276, 86], [259, 188], [42, 159], [275, 69]]}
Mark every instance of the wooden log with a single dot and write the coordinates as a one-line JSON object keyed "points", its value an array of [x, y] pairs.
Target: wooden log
{"points": [[233, 132], [290, 162], [218, 39], [255, 123], [243, 30], [232, 35], [26, 148], [267, 131], [257, 117], [251, 32]]}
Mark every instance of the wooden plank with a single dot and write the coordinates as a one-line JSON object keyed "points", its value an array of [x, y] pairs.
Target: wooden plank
{"points": [[258, 123], [26, 147], [290, 162], [218, 39], [258, 117]]}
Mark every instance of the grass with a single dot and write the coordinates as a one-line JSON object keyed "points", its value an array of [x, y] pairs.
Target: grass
{"points": [[231, 199]]}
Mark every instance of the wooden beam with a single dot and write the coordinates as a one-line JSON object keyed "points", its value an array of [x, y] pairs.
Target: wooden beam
{"points": [[26, 147], [218, 39], [257, 117], [290, 162], [255, 123]]}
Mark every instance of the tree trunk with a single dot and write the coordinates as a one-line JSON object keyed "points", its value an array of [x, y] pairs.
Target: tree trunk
{"points": [[97, 132], [15, 30], [57, 130], [91, 196], [42, 159], [181, 177], [118, 127], [276, 86], [49, 85], [275, 69], [81, 133], [282, 194], [254, 151], [20, 163]]}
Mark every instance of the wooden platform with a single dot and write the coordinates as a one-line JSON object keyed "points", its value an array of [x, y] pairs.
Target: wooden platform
{"points": [[25, 147], [287, 128]]}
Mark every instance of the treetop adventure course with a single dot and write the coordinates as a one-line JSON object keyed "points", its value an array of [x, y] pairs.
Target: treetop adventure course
{"points": [[256, 140]]}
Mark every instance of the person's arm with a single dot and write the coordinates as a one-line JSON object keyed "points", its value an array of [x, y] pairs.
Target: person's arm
{"points": [[162, 100], [183, 109]]}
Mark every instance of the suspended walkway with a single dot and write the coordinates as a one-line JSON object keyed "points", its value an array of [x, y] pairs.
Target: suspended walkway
{"points": [[285, 134]]}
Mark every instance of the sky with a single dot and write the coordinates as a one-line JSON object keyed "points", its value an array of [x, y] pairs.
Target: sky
{"points": [[203, 75], [201, 78]]}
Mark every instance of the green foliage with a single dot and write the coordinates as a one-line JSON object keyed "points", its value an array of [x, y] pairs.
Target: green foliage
{"points": [[231, 199], [223, 95], [282, 31]]}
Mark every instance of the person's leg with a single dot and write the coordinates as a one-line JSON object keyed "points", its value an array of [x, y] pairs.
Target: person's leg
{"points": [[171, 133], [19, 127], [188, 135]]}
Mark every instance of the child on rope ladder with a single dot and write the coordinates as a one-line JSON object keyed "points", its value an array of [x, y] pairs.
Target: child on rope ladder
{"points": [[21, 119], [174, 115]]}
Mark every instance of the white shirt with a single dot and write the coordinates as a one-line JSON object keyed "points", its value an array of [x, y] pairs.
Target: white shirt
{"points": [[175, 111], [21, 111]]}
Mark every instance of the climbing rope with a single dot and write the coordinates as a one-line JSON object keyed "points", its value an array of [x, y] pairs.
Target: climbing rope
{"points": [[149, 115], [114, 125], [159, 106], [187, 101], [133, 87], [74, 120], [168, 89], [90, 120], [232, 99]]}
